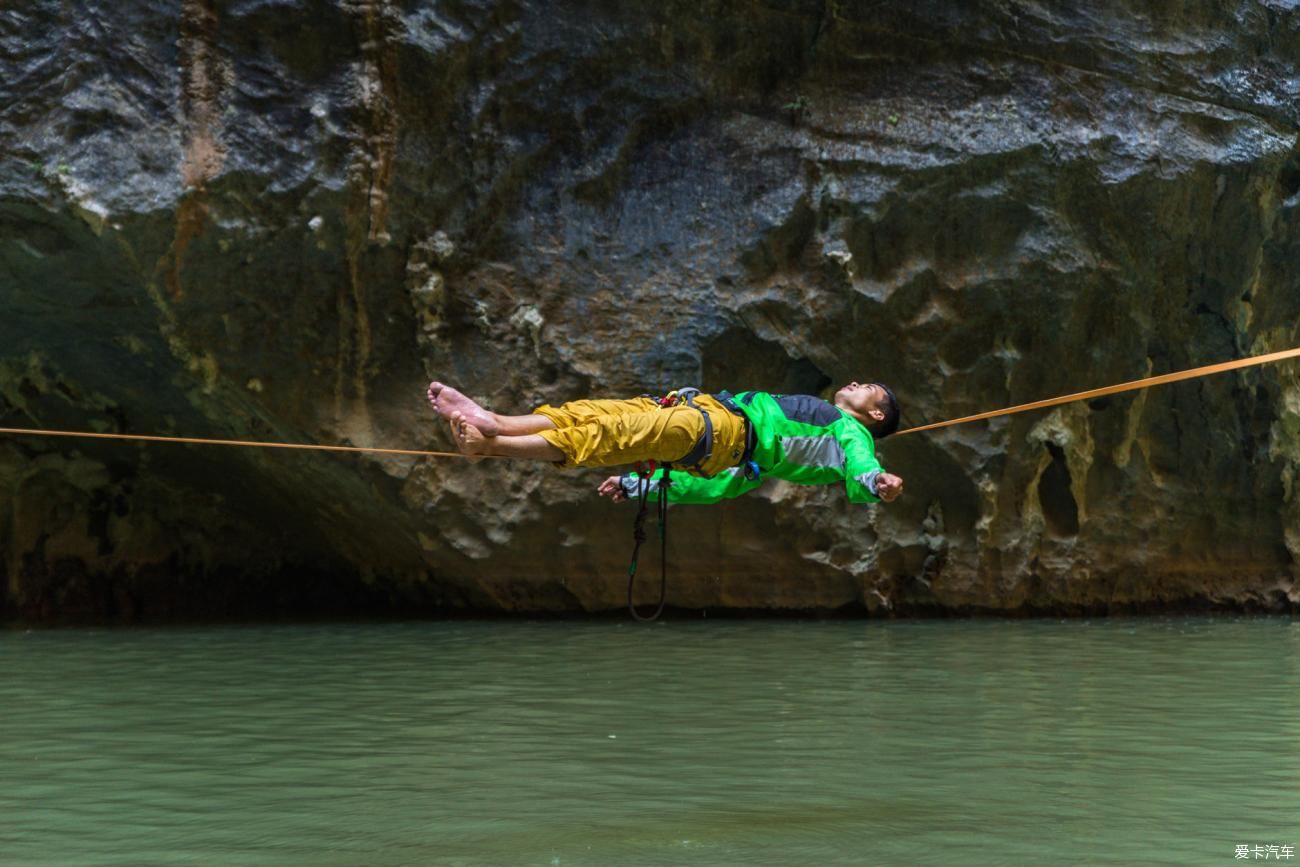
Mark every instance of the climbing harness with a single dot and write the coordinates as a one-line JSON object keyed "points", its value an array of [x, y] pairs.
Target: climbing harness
{"points": [[747, 465], [644, 474], [694, 460], [700, 453]]}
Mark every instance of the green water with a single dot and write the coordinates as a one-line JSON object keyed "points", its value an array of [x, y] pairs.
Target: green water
{"points": [[703, 742]]}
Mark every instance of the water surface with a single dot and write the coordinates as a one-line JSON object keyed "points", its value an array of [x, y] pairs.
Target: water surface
{"points": [[609, 743]]}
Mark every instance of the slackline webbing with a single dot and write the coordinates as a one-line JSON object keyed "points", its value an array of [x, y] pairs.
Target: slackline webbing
{"points": [[1194, 373], [1136, 384], [248, 443]]}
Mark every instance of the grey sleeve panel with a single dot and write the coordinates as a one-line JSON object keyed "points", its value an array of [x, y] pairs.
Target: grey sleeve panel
{"points": [[869, 482], [631, 485], [814, 451]]}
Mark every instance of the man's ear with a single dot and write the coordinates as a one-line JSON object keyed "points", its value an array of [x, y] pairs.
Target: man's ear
{"points": [[876, 414]]}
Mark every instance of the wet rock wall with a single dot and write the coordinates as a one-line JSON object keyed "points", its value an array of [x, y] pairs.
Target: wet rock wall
{"points": [[276, 220]]}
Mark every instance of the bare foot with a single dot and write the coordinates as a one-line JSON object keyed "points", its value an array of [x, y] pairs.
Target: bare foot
{"points": [[447, 400], [469, 439]]}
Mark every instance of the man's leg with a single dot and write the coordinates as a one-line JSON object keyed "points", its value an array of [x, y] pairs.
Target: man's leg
{"points": [[604, 433], [578, 433], [471, 441], [447, 401], [603, 442], [659, 434]]}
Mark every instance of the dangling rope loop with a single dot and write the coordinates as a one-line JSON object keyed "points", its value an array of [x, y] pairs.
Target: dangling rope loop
{"points": [[644, 482]]}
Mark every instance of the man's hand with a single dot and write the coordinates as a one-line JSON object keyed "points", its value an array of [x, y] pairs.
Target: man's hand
{"points": [[888, 487], [612, 488]]}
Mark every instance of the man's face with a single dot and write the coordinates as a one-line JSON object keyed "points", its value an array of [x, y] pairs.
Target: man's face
{"points": [[864, 402]]}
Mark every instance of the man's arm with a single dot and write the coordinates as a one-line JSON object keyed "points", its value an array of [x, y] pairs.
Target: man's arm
{"points": [[685, 488], [865, 481]]}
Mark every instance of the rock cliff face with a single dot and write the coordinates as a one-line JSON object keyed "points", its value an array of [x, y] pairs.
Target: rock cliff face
{"points": [[277, 219]]}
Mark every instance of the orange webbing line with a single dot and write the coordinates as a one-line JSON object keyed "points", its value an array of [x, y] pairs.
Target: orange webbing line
{"points": [[215, 442], [1207, 370]]}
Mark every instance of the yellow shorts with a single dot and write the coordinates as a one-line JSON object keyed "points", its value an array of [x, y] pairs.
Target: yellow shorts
{"points": [[604, 433]]}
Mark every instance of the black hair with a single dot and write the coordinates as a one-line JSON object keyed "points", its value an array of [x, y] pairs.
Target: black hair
{"points": [[889, 423]]}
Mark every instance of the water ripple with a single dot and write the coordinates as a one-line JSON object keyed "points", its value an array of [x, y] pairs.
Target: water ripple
{"points": [[689, 743]]}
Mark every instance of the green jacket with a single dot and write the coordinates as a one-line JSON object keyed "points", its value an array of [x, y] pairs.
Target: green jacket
{"points": [[799, 438]]}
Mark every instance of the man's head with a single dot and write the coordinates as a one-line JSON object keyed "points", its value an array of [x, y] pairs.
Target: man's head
{"points": [[873, 404]]}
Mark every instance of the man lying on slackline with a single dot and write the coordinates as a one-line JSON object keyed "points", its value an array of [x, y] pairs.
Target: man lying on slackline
{"points": [[727, 444]]}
